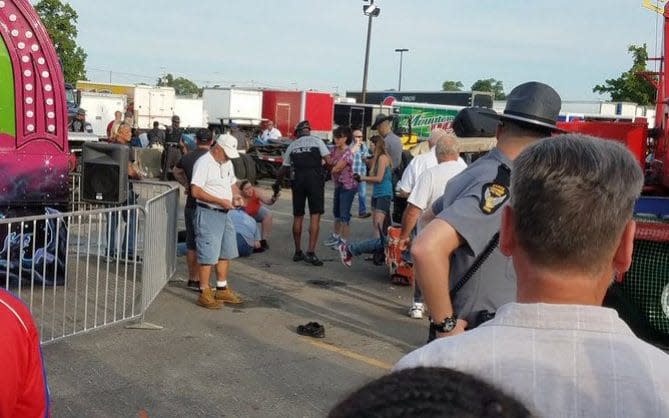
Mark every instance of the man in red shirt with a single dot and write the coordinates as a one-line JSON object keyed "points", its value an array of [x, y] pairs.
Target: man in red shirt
{"points": [[24, 390]]}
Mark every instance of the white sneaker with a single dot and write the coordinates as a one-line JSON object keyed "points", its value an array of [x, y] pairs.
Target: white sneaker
{"points": [[332, 240], [417, 310]]}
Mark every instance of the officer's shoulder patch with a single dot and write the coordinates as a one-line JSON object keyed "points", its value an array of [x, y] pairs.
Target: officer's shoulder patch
{"points": [[493, 196], [495, 193]]}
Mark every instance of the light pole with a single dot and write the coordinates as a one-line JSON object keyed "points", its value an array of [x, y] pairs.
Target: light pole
{"points": [[401, 51], [372, 11]]}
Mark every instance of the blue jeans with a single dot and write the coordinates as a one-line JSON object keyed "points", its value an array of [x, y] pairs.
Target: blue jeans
{"points": [[368, 246], [362, 198], [341, 207], [127, 231], [243, 247]]}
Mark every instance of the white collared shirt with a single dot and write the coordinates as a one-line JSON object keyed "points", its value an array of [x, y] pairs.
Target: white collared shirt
{"points": [[214, 178], [560, 361]]}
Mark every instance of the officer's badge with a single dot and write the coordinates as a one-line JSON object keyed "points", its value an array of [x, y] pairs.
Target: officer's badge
{"points": [[493, 197], [496, 193]]}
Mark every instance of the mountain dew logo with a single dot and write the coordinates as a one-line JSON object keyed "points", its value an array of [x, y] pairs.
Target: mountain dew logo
{"points": [[423, 121]]}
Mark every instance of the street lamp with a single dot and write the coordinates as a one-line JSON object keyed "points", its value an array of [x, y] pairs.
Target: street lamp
{"points": [[371, 10], [401, 51]]}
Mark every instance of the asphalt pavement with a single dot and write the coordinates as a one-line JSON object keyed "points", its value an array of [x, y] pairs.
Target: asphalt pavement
{"points": [[245, 360]]}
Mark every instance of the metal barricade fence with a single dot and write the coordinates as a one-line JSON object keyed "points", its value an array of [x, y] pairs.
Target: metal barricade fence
{"points": [[93, 266]]}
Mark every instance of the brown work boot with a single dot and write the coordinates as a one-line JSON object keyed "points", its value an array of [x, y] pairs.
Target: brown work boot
{"points": [[207, 300], [228, 296]]}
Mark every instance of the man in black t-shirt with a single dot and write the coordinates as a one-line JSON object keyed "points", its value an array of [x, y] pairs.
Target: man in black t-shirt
{"points": [[304, 159], [174, 148], [183, 173]]}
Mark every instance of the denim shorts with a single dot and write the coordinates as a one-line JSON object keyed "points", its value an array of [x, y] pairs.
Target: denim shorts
{"points": [[215, 236], [262, 214], [382, 204], [341, 207], [189, 219]]}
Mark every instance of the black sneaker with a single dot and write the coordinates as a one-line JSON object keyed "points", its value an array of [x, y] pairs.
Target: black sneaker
{"points": [[264, 245], [193, 285], [298, 256], [312, 259]]}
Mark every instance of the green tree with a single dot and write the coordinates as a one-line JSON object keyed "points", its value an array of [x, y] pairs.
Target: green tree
{"points": [[631, 86], [182, 86], [450, 85], [60, 20], [491, 85]]}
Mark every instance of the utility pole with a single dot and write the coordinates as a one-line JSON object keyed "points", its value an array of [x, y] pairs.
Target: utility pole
{"points": [[372, 11], [401, 51]]}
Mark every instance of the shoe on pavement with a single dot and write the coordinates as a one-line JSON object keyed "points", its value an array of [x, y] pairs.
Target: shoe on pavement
{"points": [[312, 329], [331, 241], [417, 310], [312, 259], [207, 300], [228, 296], [298, 256], [345, 254], [264, 245], [364, 215], [193, 285]]}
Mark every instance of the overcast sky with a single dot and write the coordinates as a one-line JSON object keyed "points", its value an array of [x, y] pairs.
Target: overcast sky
{"points": [[320, 44]]}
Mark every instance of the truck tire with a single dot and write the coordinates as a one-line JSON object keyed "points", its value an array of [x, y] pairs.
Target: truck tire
{"points": [[250, 165], [239, 167]]}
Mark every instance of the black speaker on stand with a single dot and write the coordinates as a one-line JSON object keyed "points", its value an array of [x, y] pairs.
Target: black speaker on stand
{"points": [[104, 177]]}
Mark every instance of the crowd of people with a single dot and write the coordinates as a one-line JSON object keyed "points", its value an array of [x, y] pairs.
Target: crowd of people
{"points": [[511, 255]]}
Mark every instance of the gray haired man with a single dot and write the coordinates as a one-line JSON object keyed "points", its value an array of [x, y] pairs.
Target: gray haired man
{"points": [[569, 230]]}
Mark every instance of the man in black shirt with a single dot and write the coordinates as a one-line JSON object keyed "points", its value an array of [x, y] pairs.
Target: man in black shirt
{"points": [[304, 160], [156, 135], [174, 148], [183, 173]]}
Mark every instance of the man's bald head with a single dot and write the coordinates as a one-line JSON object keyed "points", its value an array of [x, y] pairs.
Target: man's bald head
{"points": [[435, 135], [447, 148]]}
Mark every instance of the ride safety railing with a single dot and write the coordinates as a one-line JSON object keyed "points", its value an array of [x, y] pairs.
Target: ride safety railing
{"points": [[87, 265]]}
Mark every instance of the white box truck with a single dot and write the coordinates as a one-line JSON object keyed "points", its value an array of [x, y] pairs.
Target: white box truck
{"points": [[100, 109], [153, 104], [225, 105], [190, 111]]}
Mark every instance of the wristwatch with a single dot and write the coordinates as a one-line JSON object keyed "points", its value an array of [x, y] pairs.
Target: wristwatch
{"points": [[447, 325]]}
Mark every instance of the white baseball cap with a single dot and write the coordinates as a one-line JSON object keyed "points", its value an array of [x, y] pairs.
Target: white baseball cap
{"points": [[229, 145]]}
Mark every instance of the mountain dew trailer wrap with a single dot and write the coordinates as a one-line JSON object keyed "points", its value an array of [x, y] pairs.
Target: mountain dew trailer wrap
{"points": [[419, 119]]}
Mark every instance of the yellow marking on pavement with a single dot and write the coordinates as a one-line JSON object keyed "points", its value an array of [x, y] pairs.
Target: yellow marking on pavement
{"points": [[350, 354]]}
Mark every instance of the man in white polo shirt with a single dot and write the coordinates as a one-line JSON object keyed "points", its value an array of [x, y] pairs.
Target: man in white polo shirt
{"points": [[214, 186]]}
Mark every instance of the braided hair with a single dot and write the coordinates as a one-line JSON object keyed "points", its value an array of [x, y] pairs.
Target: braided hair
{"points": [[429, 392]]}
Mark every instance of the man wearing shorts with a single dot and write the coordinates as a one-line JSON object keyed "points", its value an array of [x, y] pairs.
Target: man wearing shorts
{"points": [[214, 187], [304, 159], [183, 173]]}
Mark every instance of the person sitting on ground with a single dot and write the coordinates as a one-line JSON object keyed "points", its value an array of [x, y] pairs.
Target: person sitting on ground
{"points": [[254, 202], [345, 186], [569, 231], [429, 392], [246, 229]]}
